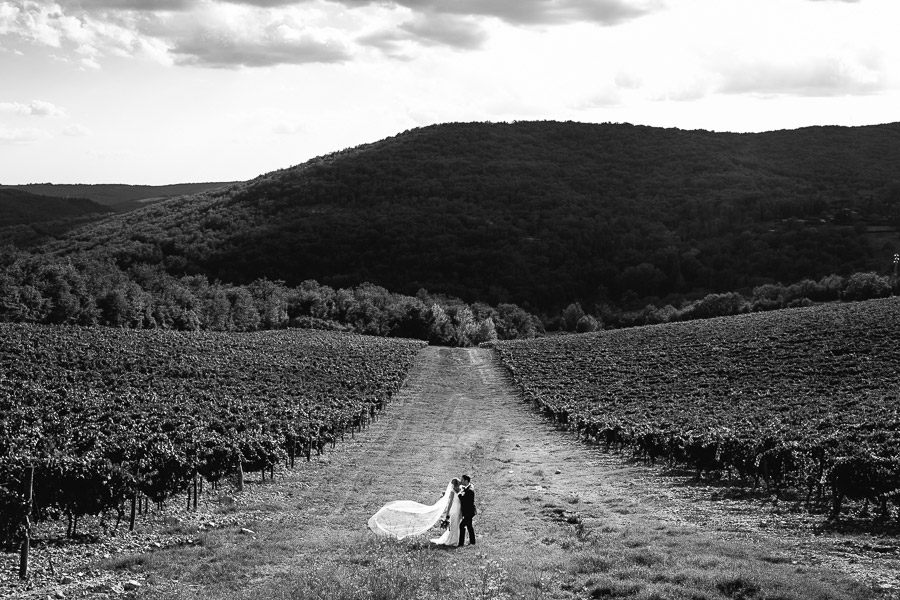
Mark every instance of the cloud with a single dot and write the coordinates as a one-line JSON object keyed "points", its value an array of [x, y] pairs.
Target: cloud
{"points": [[428, 30], [76, 130], [288, 128], [267, 3], [186, 32], [531, 12], [456, 23], [36, 108], [220, 52], [260, 33], [250, 40], [44, 109], [137, 5], [21, 136], [66, 27], [816, 77], [628, 81], [602, 99], [445, 30]]}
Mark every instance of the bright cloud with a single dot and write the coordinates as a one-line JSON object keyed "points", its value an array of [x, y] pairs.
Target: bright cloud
{"points": [[76, 130], [21, 135], [85, 34], [816, 77], [35, 108]]}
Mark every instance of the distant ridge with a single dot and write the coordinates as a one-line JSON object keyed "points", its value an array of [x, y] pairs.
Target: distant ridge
{"points": [[18, 207], [27, 219], [121, 197], [541, 214]]}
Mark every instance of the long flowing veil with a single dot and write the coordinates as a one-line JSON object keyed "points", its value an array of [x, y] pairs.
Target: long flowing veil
{"points": [[403, 518]]}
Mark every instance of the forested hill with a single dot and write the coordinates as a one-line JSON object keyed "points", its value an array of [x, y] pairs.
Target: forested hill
{"points": [[27, 219], [541, 214], [18, 208], [120, 197]]}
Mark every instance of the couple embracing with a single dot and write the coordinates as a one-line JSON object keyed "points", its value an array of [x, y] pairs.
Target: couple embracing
{"points": [[458, 515], [454, 511]]}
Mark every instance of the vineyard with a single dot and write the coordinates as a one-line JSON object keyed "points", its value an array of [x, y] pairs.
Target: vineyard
{"points": [[110, 418], [804, 400]]}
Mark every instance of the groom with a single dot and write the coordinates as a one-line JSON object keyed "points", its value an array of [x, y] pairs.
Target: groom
{"points": [[467, 510]]}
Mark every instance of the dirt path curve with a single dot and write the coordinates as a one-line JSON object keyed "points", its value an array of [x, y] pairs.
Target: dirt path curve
{"points": [[537, 487]]}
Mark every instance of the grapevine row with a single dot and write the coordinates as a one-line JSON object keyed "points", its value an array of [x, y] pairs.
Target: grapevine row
{"points": [[807, 399], [108, 416]]}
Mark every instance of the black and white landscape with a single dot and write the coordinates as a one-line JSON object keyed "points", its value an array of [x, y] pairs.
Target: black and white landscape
{"points": [[268, 266]]}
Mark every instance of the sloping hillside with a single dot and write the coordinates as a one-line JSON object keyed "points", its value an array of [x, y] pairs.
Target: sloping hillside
{"points": [[540, 213], [18, 208], [122, 198], [27, 219]]}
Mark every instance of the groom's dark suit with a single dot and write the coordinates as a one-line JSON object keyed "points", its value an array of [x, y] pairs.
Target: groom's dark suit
{"points": [[467, 510]]}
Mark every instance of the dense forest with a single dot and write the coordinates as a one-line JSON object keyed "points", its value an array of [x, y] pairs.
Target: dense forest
{"points": [[606, 224], [541, 214]]}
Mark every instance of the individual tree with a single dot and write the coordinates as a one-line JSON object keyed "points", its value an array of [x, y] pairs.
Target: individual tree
{"points": [[244, 314], [865, 286], [587, 324], [571, 315], [270, 298]]}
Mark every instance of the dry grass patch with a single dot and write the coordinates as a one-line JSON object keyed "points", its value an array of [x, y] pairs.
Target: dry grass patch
{"points": [[586, 561], [681, 563]]}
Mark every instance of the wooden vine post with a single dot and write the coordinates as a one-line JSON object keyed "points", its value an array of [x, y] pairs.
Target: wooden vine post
{"points": [[308, 431], [240, 471], [135, 499], [133, 515], [26, 525]]}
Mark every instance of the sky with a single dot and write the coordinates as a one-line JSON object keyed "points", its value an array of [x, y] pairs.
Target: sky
{"points": [[174, 91]]}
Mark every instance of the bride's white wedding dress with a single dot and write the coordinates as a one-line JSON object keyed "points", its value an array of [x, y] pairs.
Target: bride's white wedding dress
{"points": [[404, 518], [451, 536]]}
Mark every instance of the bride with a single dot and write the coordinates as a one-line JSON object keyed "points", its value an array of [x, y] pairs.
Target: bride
{"points": [[404, 518]]}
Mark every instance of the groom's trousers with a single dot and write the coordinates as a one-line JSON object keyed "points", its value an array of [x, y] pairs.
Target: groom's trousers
{"points": [[466, 524]]}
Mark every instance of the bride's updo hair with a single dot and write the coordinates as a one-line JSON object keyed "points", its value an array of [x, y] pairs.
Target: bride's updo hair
{"points": [[454, 482]]}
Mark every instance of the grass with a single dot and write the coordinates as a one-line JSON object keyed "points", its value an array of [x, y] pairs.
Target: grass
{"points": [[555, 553], [371, 569], [642, 563], [565, 560]]}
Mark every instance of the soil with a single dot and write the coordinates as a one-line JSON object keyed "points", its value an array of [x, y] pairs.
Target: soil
{"points": [[458, 413]]}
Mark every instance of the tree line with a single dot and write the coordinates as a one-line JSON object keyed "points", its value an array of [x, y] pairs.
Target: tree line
{"points": [[770, 296], [84, 290], [87, 290]]}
